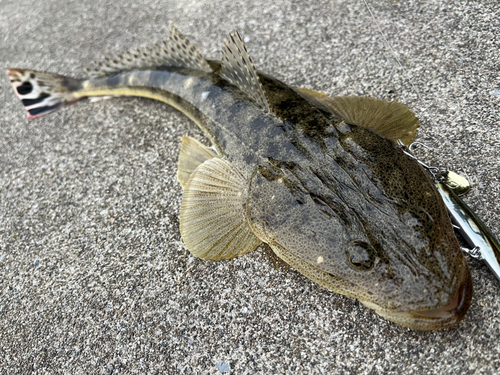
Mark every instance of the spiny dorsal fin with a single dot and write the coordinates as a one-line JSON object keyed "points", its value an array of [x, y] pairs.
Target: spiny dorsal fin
{"points": [[213, 220], [393, 120], [177, 51], [238, 68], [192, 154]]}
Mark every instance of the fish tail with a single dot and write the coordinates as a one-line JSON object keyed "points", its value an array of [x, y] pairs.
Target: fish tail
{"points": [[42, 92]]}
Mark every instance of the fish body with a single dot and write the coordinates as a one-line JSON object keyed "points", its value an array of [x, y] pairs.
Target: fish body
{"points": [[311, 176]]}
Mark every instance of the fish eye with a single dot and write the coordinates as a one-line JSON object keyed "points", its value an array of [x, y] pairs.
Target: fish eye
{"points": [[360, 255]]}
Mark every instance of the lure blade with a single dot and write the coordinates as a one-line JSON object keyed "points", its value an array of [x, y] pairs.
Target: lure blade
{"points": [[472, 229]]}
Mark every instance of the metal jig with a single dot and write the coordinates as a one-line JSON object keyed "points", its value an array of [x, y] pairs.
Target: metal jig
{"points": [[483, 245]]}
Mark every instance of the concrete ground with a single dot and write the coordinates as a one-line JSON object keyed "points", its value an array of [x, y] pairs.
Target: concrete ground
{"points": [[94, 277]]}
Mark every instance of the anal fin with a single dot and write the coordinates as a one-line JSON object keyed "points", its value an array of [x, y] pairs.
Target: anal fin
{"points": [[213, 220], [391, 119], [95, 99]]}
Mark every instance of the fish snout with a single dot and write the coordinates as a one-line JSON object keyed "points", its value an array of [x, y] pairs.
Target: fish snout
{"points": [[450, 314], [445, 316]]}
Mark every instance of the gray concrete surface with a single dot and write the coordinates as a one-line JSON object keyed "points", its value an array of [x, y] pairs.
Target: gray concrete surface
{"points": [[94, 277]]}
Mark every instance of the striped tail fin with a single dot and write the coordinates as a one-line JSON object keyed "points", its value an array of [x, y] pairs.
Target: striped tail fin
{"points": [[41, 92]]}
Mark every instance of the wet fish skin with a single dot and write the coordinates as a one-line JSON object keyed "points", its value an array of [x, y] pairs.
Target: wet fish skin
{"points": [[357, 190], [337, 201]]}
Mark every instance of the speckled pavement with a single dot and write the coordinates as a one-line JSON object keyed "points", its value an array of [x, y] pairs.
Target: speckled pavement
{"points": [[94, 278]]}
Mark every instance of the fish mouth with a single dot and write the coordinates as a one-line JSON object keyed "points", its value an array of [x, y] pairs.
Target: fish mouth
{"points": [[456, 308], [441, 317]]}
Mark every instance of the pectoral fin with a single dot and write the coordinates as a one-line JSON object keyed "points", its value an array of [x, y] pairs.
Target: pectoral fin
{"points": [[192, 154], [393, 120], [313, 94], [213, 220]]}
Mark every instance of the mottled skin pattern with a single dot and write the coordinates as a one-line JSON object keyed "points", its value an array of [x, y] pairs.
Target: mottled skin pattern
{"points": [[340, 203]]}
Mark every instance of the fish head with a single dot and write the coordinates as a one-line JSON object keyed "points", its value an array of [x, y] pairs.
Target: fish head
{"points": [[397, 256]]}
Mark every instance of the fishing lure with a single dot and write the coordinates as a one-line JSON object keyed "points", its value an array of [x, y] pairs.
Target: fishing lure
{"points": [[482, 243]]}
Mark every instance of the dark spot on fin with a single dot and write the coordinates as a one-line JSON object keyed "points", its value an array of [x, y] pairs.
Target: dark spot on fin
{"points": [[29, 102], [42, 92], [178, 51], [25, 88], [43, 110]]}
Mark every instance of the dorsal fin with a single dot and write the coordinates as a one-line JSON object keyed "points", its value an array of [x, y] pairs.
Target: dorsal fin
{"points": [[238, 68], [177, 51]]}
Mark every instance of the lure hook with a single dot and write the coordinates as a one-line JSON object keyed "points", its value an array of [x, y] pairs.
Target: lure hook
{"points": [[483, 245], [434, 171]]}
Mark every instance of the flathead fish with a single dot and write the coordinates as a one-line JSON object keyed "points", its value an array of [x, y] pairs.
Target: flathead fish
{"points": [[320, 180]]}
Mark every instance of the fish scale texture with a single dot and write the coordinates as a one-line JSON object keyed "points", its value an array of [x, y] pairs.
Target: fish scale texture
{"points": [[94, 277]]}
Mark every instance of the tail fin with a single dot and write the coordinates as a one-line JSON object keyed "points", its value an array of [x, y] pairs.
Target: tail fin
{"points": [[41, 92]]}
